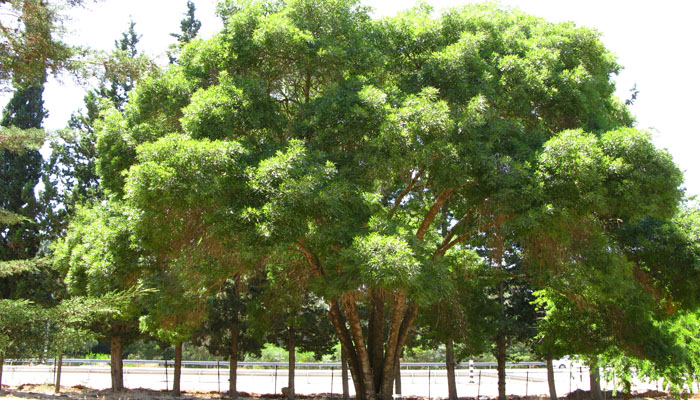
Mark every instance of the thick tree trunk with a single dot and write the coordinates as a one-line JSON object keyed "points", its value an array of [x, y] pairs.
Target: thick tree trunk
{"points": [[594, 375], [117, 366], [233, 365], [292, 363], [550, 378], [177, 371], [59, 365], [2, 363], [501, 358], [450, 364], [344, 372], [349, 328]]}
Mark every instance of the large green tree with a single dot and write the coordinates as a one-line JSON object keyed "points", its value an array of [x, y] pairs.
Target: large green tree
{"points": [[310, 132]]}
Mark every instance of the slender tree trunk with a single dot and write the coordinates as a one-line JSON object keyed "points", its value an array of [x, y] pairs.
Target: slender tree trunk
{"points": [[550, 378], [344, 372], [450, 364], [353, 363], [57, 388], [292, 364], [501, 342], [117, 366], [501, 358], [375, 335], [392, 347], [177, 371], [2, 363], [628, 389], [233, 369], [397, 373], [362, 355], [594, 375]]}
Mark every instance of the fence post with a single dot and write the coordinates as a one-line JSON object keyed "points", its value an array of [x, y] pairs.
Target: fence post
{"points": [[275, 379], [527, 380], [580, 374], [428, 382], [331, 383], [478, 387], [218, 377], [471, 371], [166, 375], [571, 377]]}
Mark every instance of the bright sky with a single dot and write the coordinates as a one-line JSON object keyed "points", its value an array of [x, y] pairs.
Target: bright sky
{"points": [[654, 41]]}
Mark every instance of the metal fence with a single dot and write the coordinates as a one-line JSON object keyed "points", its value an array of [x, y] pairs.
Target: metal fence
{"points": [[477, 379]]}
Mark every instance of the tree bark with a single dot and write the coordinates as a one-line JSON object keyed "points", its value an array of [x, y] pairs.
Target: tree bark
{"points": [[450, 364], [59, 364], [362, 354], [2, 363], [344, 372], [392, 346], [501, 358], [233, 365], [397, 373], [292, 363], [375, 335], [177, 370], [338, 321], [117, 366], [594, 375], [550, 378]]}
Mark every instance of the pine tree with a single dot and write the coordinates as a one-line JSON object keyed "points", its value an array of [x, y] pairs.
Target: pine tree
{"points": [[189, 27], [71, 166], [118, 87]]}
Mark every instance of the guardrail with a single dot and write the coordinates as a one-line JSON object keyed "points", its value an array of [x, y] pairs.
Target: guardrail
{"points": [[253, 364]]}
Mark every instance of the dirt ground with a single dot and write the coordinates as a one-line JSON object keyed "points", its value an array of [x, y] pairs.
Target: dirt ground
{"points": [[46, 392]]}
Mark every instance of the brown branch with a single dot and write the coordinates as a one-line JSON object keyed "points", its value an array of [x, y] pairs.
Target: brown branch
{"points": [[442, 249], [310, 258], [408, 188], [441, 199]]}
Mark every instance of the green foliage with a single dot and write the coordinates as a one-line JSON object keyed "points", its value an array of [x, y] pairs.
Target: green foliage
{"points": [[98, 259]]}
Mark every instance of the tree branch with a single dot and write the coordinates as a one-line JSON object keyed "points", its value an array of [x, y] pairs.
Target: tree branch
{"points": [[408, 188], [433, 212]]}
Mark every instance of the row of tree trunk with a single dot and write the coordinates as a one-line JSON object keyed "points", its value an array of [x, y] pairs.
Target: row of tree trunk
{"points": [[450, 363]]}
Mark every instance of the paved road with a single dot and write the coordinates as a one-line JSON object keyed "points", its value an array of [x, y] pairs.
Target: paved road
{"points": [[414, 382]]}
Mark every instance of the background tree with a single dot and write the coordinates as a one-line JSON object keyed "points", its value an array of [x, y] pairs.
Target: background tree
{"points": [[226, 330], [30, 40], [97, 258], [189, 27], [291, 317]]}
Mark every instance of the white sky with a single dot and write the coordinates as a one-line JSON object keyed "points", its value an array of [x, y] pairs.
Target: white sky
{"points": [[655, 41]]}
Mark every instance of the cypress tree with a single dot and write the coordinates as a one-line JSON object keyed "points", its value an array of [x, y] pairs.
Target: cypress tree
{"points": [[19, 175]]}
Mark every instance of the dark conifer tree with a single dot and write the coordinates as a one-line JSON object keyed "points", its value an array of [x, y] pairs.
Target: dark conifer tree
{"points": [[189, 27], [19, 175]]}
